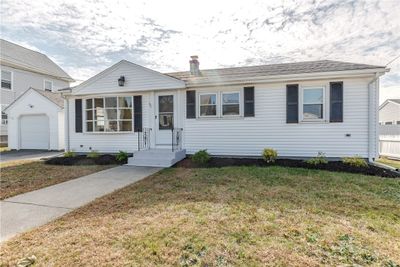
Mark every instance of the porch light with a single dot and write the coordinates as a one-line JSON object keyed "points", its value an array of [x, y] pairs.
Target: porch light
{"points": [[121, 81]]}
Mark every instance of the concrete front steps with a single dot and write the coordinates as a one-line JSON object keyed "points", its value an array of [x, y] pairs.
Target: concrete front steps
{"points": [[156, 157]]}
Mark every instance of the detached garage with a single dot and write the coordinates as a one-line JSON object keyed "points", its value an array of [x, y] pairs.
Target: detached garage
{"points": [[36, 121]]}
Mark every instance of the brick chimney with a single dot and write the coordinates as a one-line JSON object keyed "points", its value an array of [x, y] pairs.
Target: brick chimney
{"points": [[194, 66]]}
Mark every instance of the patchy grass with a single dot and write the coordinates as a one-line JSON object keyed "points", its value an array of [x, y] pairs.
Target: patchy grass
{"points": [[231, 216], [390, 162], [4, 149], [25, 175]]}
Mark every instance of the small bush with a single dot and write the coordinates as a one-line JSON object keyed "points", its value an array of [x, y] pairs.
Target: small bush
{"points": [[269, 155], [122, 156], [355, 161], [319, 159], [69, 154], [201, 157], [93, 154]]}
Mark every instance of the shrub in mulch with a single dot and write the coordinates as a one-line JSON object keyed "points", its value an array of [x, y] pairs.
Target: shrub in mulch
{"points": [[105, 159], [337, 166]]}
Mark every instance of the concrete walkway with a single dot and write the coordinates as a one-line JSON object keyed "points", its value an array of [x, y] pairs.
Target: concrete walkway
{"points": [[32, 209]]}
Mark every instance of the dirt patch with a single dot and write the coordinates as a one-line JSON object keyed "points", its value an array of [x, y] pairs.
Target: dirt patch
{"points": [[105, 159], [336, 166]]}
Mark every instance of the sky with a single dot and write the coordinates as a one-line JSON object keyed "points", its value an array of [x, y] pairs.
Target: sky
{"points": [[85, 37]]}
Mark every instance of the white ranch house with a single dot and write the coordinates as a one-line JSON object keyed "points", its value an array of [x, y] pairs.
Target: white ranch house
{"points": [[299, 109]]}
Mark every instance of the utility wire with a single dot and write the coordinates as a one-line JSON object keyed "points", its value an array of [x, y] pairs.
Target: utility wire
{"points": [[393, 60]]}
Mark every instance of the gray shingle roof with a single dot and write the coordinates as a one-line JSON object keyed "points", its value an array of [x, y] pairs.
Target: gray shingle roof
{"points": [[24, 57], [56, 98], [210, 75]]}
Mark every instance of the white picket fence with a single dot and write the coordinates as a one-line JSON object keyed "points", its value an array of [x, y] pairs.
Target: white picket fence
{"points": [[389, 141]]}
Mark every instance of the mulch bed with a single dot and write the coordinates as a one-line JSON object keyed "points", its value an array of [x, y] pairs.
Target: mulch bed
{"points": [[336, 166], [105, 159]]}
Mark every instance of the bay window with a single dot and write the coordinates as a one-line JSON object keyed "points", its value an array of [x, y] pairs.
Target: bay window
{"points": [[109, 114], [230, 104], [208, 105], [313, 103]]}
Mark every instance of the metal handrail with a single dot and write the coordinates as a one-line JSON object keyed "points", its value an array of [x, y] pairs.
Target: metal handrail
{"points": [[143, 138], [176, 143]]}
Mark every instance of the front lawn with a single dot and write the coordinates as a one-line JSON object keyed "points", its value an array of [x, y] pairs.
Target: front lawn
{"points": [[231, 216], [19, 177]]}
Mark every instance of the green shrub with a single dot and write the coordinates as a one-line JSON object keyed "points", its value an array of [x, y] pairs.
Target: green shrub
{"points": [[355, 161], [201, 157], [319, 159], [269, 155], [122, 156], [69, 154], [93, 154]]}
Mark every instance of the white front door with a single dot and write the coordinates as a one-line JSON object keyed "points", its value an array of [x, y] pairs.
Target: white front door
{"points": [[165, 118], [34, 132]]}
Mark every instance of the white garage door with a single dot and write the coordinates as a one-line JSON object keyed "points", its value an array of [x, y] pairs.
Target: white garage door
{"points": [[34, 132]]}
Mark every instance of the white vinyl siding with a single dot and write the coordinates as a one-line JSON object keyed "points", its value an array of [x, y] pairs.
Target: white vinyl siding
{"points": [[247, 136]]}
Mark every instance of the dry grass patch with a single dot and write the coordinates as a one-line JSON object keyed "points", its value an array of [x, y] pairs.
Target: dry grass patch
{"points": [[23, 176], [390, 162], [234, 216]]}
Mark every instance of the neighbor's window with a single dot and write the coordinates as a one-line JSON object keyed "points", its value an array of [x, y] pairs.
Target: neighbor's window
{"points": [[6, 79], [48, 86], [230, 104], [398, 122], [388, 123], [208, 105], [4, 118], [313, 103], [109, 114]]}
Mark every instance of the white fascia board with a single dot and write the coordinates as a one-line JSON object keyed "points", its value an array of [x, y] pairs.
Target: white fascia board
{"points": [[291, 77]]}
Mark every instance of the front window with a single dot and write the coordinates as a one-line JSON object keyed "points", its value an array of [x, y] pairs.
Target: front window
{"points": [[109, 114], [313, 103], [230, 104], [388, 123], [4, 118], [6, 79], [48, 86], [208, 105]]}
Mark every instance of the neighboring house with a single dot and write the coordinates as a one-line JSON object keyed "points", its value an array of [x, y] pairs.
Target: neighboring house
{"points": [[299, 109], [389, 128], [21, 69]]}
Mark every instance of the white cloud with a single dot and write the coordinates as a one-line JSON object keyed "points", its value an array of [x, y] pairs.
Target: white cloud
{"points": [[87, 36]]}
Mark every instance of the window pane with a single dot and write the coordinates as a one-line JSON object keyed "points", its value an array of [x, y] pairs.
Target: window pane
{"points": [[89, 103], [89, 115], [111, 102], [89, 126], [166, 103], [48, 85], [99, 114], [125, 114], [111, 114], [312, 111], [125, 126], [208, 110], [99, 126], [6, 75], [98, 103], [230, 109], [313, 96], [111, 126], [231, 98], [208, 99], [125, 102], [166, 121], [5, 84]]}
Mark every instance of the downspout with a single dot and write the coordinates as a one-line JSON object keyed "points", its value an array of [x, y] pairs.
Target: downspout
{"points": [[373, 116], [66, 100]]}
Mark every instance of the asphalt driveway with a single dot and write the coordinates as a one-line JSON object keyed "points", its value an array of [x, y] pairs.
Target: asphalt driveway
{"points": [[26, 155]]}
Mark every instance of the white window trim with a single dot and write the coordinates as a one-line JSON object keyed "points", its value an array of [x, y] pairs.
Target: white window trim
{"points": [[216, 105], [324, 101], [222, 104], [118, 120], [12, 81], [44, 85]]}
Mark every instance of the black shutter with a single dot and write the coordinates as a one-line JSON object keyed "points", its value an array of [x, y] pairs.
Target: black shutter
{"points": [[78, 115], [292, 103], [248, 101], [336, 102], [137, 113], [191, 104]]}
